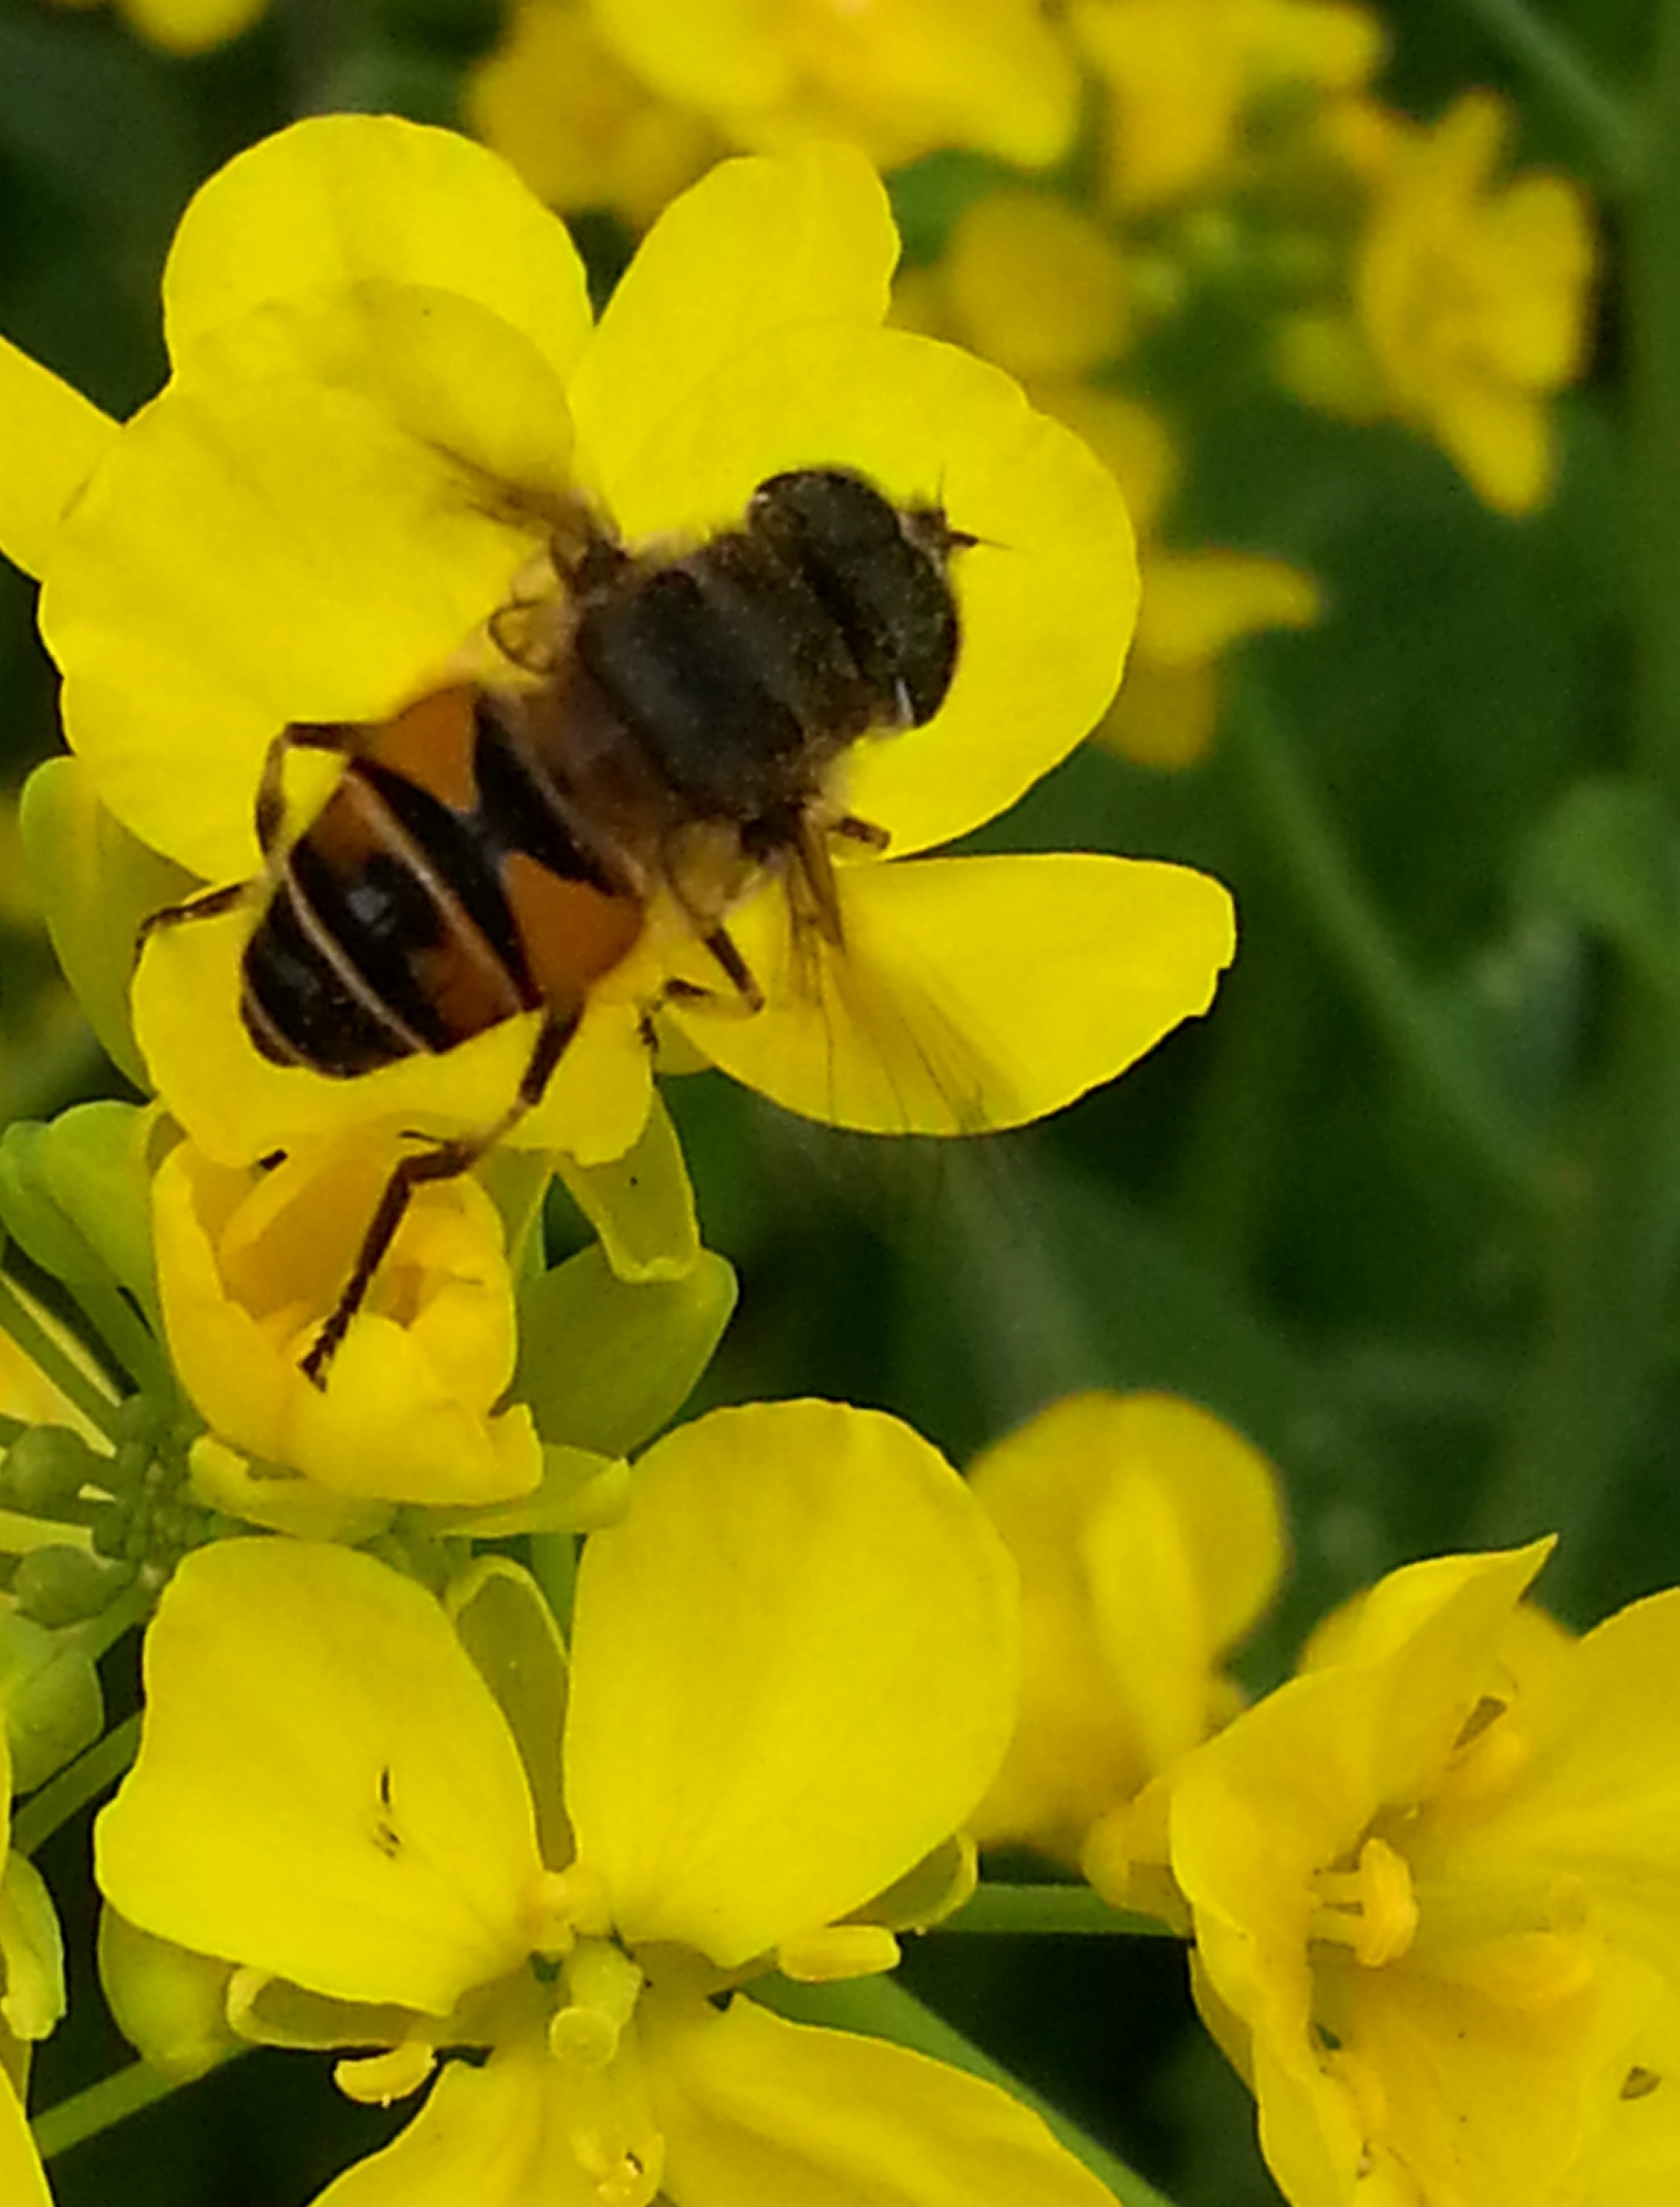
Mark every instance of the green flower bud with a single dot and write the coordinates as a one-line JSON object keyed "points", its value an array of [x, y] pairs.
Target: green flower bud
{"points": [[44, 1469], [58, 1584], [49, 1692]]}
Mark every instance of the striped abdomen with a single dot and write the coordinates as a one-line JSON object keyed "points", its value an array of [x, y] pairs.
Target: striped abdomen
{"points": [[416, 911]]}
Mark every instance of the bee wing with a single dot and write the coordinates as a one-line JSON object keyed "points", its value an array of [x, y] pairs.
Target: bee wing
{"points": [[856, 1031]]}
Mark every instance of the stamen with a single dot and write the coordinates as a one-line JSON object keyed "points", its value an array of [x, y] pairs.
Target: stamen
{"points": [[1371, 1908], [374, 2080], [605, 1985]]}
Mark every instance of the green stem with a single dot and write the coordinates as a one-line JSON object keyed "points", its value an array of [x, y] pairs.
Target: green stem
{"points": [[1553, 63], [1593, 1383], [880, 2007], [65, 1375], [129, 1608], [73, 1788], [129, 1340], [1354, 932], [87, 2113], [1058, 1908]]}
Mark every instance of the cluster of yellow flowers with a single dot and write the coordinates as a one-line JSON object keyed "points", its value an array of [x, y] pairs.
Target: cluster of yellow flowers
{"points": [[553, 1836]]}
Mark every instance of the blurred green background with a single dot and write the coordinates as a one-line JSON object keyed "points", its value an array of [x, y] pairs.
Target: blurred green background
{"points": [[1403, 1210]]}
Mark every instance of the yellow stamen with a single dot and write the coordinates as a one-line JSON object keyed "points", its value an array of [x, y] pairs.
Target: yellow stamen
{"points": [[604, 1985], [374, 2080], [838, 1950], [1371, 1908]]}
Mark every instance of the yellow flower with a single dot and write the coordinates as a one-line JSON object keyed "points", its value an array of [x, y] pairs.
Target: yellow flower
{"points": [[1435, 1888], [1182, 76], [1036, 284], [1149, 1538], [899, 79], [250, 1262], [359, 309], [793, 1669], [185, 27], [1472, 295], [22, 2178], [1195, 603], [32, 2000], [581, 129]]}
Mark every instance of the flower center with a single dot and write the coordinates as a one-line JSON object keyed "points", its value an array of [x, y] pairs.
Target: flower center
{"points": [[1371, 1908]]}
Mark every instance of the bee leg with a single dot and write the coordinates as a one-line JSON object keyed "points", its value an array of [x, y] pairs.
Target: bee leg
{"points": [[208, 905], [721, 944], [337, 736], [861, 831], [270, 815], [445, 1160]]}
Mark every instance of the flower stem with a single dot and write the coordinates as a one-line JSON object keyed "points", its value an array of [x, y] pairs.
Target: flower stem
{"points": [[87, 2113], [879, 2007], [1553, 62], [1058, 1908], [65, 1375], [1317, 866], [1594, 1382], [73, 1788]]}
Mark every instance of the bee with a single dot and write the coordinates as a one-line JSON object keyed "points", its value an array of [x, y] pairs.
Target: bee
{"points": [[671, 720]]}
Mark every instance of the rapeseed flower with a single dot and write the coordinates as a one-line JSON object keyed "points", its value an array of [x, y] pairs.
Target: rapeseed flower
{"points": [[1434, 1885], [1149, 1537], [792, 1674], [1198, 601], [367, 320], [581, 127], [1471, 293], [1046, 289], [22, 2178], [1183, 76], [32, 2000], [249, 1263], [898, 81], [185, 27]]}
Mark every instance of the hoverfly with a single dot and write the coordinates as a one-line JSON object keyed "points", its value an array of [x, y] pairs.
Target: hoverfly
{"points": [[670, 721]]}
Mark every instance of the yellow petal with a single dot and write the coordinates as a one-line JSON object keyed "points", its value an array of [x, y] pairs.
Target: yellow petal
{"points": [[1482, 2099], [189, 27], [249, 1267], [793, 1675], [501, 2136], [238, 1105], [325, 1789], [22, 2178], [761, 2113], [1037, 285], [291, 531], [51, 439], [973, 992], [340, 199], [757, 245], [1047, 599], [1599, 1798], [1198, 604], [1149, 1537]]}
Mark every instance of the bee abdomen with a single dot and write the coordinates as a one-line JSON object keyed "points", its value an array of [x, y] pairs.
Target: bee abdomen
{"points": [[388, 933]]}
